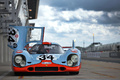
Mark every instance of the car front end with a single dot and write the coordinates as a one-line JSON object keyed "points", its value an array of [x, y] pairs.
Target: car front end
{"points": [[50, 59]]}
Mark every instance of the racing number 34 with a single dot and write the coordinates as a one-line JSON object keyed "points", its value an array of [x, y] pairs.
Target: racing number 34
{"points": [[13, 37], [46, 57], [11, 33]]}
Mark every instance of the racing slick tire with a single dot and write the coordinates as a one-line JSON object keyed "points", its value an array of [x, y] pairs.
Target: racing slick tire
{"points": [[17, 73], [74, 73]]}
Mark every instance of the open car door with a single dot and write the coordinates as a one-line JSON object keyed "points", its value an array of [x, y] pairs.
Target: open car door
{"points": [[20, 36]]}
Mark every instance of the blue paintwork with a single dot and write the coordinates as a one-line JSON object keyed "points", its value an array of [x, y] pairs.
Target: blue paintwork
{"points": [[22, 37], [60, 57], [73, 44], [33, 57]]}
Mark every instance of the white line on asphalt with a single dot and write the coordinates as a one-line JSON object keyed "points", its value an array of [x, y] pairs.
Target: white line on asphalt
{"points": [[3, 75]]}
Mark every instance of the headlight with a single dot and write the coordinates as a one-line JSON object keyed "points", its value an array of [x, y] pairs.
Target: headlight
{"points": [[18, 59], [22, 64], [74, 58], [70, 63]]}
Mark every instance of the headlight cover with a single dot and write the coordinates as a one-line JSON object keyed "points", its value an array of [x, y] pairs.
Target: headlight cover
{"points": [[20, 60], [72, 60], [23, 63], [69, 62]]}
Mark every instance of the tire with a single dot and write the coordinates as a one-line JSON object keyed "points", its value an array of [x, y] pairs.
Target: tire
{"points": [[17, 73], [74, 73]]}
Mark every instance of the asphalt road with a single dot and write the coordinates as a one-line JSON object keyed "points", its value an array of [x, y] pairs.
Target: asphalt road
{"points": [[91, 70]]}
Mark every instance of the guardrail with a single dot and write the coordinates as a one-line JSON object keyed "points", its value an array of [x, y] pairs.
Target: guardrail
{"points": [[101, 54]]}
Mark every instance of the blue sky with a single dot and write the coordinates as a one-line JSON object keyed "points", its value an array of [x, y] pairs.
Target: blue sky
{"points": [[65, 20]]}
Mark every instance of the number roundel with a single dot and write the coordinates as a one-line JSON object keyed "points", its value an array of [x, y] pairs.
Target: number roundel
{"points": [[45, 57], [13, 37]]}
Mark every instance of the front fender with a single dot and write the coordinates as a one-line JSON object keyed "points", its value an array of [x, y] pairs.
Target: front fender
{"points": [[62, 60], [29, 58]]}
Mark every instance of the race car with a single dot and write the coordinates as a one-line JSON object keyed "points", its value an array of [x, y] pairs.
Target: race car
{"points": [[42, 56]]}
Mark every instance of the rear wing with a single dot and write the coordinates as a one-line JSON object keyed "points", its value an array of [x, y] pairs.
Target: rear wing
{"points": [[66, 48]]}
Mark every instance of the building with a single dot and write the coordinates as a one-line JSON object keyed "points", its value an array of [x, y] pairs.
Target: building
{"points": [[17, 13]]}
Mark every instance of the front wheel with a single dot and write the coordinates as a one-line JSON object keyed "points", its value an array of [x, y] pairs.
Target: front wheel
{"points": [[17, 73], [74, 73]]}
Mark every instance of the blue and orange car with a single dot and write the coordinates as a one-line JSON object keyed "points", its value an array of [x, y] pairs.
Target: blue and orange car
{"points": [[42, 56]]}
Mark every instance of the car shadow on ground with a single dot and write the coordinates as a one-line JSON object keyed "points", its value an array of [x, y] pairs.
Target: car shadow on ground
{"points": [[40, 74]]}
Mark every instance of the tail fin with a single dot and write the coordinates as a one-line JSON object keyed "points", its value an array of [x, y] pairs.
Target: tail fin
{"points": [[73, 43]]}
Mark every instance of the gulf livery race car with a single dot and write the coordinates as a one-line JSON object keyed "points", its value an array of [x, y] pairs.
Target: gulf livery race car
{"points": [[43, 56]]}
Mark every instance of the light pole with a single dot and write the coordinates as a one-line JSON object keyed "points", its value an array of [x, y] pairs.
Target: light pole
{"points": [[93, 37]]}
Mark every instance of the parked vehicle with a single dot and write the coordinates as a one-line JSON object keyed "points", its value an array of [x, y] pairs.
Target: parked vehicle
{"points": [[43, 56]]}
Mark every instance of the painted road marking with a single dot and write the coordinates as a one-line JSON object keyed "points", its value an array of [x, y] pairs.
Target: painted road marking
{"points": [[2, 76], [20, 77], [103, 75]]}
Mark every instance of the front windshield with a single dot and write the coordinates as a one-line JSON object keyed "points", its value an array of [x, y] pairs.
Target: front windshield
{"points": [[46, 49]]}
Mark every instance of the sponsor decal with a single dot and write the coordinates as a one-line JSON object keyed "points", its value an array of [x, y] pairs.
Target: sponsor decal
{"points": [[46, 62]]}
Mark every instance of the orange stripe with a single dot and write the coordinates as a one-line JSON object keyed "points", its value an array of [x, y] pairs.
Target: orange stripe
{"points": [[20, 77]]}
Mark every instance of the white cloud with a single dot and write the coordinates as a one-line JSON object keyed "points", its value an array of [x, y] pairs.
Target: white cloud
{"points": [[59, 29]]}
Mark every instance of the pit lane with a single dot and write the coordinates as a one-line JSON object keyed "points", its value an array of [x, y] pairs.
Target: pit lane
{"points": [[96, 70]]}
